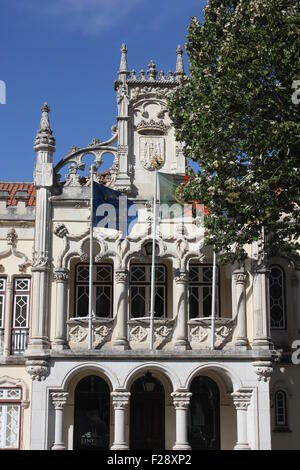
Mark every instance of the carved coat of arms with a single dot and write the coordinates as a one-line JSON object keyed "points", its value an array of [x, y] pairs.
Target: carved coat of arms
{"points": [[152, 148]]}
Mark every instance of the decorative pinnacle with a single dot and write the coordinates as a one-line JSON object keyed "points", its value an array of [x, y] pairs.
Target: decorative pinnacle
{"points": [[44, 137], [152, 72], [123, 65], [179, 72]]}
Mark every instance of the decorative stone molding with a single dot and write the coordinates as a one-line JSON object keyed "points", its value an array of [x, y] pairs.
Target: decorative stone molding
{"points": [[77, 334], [9, 382], [180, 277], [44, 137], [240, 277], [102, 335], [241, 399], [61, 231], [162, 335], [181, 400], [72, 178], [59, 399], [12, 241], [38, 370], [121, 276], [41, 262], [153, 127], [138, 334], [61, 275], [263, 370], [120, 400], [200, 334]]}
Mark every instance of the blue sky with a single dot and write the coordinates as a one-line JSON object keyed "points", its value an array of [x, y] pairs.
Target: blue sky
{"points": [[67, 52]]}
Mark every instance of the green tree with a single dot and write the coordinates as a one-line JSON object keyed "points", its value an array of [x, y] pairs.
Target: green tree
{"points": [[237, 118]]}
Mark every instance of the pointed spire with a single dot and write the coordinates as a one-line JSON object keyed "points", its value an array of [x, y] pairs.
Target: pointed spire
{"points": [[179, 72], [152, 72], [44, 136], [123, 65]]}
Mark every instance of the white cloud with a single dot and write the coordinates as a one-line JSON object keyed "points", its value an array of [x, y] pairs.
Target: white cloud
{"points": [[87, 16]]}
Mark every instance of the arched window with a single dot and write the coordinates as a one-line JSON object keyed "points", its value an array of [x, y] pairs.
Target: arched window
{"points": [[281, 408], [277, 298], [102, 295]]}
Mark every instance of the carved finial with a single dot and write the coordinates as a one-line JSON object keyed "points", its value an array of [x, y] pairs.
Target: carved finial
{"points": [[44, 137], [161, 76], [152, 71], [133, 74], [123, 65], [170, 76], [142, 75], [179, 72]]}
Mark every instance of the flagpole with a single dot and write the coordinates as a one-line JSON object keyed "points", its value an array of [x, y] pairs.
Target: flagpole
{"points": [[213, 305], [153, 265], [90, 332]]}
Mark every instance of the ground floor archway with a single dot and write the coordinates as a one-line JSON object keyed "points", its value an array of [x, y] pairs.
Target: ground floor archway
{"points": [[91, 414], [204, 414], [147, 414]]}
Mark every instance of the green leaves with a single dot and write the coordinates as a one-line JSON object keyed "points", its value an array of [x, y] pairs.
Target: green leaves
{"points": [[237, 119]]}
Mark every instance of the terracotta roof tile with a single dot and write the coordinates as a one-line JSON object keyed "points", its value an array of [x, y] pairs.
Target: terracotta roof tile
{"points": [[12, 188]]}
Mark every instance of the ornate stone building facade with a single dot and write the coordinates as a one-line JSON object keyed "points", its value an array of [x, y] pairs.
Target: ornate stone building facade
{"points": [[55, 393]]}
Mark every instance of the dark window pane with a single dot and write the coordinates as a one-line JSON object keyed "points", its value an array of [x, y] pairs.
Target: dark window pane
{"points": [[103, 301], [138, 303], [82, 301]]}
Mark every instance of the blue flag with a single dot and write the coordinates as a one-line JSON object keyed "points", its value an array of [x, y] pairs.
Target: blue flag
{"points": [[113, 210]]}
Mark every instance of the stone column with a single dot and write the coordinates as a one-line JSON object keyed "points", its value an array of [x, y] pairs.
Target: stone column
{"points": [[240, 277], [61, 277], [121, 295], [8, 316], [59, 400], [241, 400], [181, 402], [264, 370], [261, 297], [120, 401], [44, 147], [180, 303]]}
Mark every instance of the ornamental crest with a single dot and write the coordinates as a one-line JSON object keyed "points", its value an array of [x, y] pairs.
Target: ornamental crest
{"points": [[152, 149]]}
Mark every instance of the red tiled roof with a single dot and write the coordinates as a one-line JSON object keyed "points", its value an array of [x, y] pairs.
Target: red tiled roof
{"points": [[13, 187]]}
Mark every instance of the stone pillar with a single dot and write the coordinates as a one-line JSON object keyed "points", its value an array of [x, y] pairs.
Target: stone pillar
{"points": [[44, 147], [120, 401], [240, 277], [8, 316], [181, 402], [180, 302], [59, 400], [261, 298], [121, 295], [61, 277], [263, 370], [241, 400]]}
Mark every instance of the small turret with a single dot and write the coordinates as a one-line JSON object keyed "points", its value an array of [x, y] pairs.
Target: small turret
{"points": [[179, 72]]}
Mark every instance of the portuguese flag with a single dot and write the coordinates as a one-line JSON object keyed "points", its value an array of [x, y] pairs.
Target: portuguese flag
{"points": [[171, 202], [169, 195]]}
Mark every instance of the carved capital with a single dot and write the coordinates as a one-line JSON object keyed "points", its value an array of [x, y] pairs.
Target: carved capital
{"points": [[41, 262], [38, 370], [240, 277], [263, 370], [241, 399], [61, 275], [59, 400], [181, 400], [120, 400], [180, 277], [121, 276]]}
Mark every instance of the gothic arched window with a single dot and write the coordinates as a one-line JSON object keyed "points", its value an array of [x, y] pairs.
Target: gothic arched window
{"points": [[277, 298], [281, 408]]}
